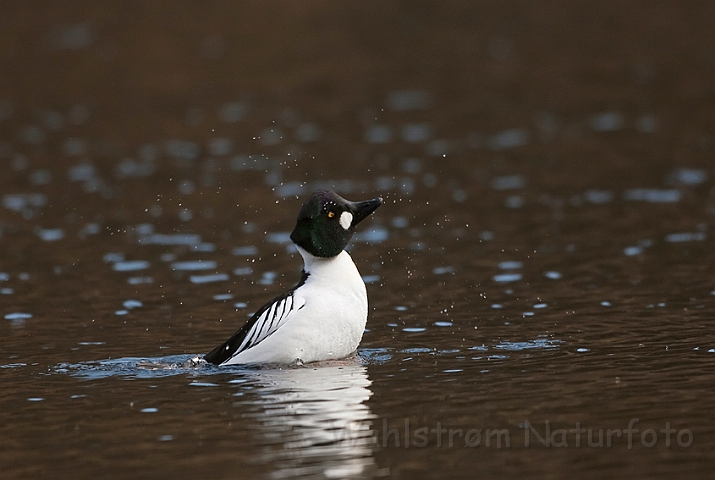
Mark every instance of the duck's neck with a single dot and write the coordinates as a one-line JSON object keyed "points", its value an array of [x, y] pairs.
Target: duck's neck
{"points": [[337, 268]]}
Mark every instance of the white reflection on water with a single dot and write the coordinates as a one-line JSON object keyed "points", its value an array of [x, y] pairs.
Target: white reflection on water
{"points": [[170, 239], [314, 420], [310, 420], [50, 234], [19, 202], [130, 265], [194, 265], [515, 137], [653, 195], [607, 122], [507, 277], [687, 176], [215, 277]]}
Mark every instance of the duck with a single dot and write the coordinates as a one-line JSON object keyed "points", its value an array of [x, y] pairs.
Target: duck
{"points": [[323, 316]]}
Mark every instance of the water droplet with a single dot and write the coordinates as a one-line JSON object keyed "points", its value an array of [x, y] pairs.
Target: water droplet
{"points": [[271, 136]]}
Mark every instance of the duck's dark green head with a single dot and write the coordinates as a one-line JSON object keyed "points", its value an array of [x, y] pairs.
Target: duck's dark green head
{"points": [[326, 222]]}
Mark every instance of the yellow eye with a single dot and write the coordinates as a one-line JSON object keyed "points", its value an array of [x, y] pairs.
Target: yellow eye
{"points": [[331, 214]]}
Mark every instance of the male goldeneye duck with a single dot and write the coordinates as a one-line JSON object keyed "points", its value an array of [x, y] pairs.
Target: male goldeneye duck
{"points": [[323, 317]]}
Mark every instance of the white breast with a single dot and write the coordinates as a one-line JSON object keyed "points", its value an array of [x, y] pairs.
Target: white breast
{"points": [[328, 326]]}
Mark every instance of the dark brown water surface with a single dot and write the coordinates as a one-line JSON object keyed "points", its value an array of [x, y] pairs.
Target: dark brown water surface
{"points": [[540, 278]]}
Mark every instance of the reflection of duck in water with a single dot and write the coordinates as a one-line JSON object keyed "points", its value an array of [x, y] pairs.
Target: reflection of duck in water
{"points": [[315, 421], [324, 316]]}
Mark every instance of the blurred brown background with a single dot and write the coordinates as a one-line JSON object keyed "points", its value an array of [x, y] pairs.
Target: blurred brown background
{"points": [[489, 65]]}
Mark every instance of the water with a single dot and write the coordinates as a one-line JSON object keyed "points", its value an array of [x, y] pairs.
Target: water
{"points": [[540, 276]]}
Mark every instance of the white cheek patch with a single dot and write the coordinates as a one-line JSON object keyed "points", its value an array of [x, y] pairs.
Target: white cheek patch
{"points": [[346, 219]]}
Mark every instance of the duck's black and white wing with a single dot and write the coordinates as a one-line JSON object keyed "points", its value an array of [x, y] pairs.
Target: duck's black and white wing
{"points": [[262, 325]]}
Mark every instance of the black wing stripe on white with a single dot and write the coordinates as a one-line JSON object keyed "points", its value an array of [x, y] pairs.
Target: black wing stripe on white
{"points": [[268, 323], [286, 307], [260, 330], [262, 324], [254, 332], [273, 314]]}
